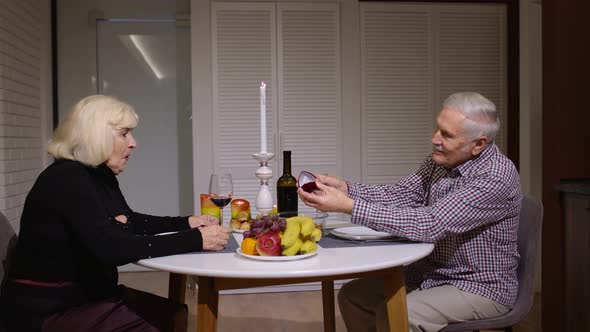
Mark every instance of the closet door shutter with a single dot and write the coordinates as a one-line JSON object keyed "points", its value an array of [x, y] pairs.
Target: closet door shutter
{"points": [[412, 58], [472, 55], [309, 119], [396, 76], [244, 54]]}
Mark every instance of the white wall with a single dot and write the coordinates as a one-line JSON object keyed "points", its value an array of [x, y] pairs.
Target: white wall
{"points": [[160, 166], [25, 99], [77, 40]]}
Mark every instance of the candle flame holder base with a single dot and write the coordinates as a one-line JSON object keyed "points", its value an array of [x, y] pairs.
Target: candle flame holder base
{"points": [[264, 200]]}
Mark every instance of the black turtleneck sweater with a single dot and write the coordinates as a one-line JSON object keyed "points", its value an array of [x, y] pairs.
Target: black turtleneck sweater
{"points": [[69, 233]]}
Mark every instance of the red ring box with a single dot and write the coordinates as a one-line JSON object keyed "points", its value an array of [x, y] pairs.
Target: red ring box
{"points": [[306, 181]]}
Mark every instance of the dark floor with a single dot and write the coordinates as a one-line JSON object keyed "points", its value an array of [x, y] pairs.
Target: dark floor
{"points": [[287, 311]]}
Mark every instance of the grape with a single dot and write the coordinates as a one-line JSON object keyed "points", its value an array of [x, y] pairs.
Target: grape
{"points": [[248, 234], [257, 223], [275, 228], [268, 223], [282, 226], [265, 218], [283, 223], [257, 231]]}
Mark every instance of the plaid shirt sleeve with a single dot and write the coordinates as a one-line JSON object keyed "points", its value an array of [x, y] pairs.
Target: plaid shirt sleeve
{"points": [[474, 202], [408, 192]]}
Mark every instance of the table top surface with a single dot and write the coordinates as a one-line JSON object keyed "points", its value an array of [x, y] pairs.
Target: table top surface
{"points": [[328, 262]]}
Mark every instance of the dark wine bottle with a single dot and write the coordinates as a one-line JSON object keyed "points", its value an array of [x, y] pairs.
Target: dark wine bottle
{"points": [[287, 188]]}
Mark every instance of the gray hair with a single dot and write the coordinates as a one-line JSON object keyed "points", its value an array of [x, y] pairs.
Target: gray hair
{"points": [[482, 117]]}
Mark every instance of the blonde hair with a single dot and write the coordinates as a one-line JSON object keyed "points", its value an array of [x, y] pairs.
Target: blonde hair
{"points": [[86, 135]]}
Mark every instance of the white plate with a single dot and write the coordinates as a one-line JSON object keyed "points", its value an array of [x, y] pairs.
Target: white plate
{"points": [[276, 258], [235, 230], [360, 233]]}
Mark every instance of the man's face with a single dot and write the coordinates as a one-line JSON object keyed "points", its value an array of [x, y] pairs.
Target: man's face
{"points": [[123, 143], [451, 146]]}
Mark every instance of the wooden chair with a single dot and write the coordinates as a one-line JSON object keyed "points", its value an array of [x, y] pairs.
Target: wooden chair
{"points": [[8, 240], [529, 233]]}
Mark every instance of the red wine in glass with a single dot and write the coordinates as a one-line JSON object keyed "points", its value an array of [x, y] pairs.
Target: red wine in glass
{"points": [[221, 190], [220, 201]]}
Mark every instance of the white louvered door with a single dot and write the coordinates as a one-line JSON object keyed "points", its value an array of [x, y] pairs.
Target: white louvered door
{"points": [[412, 58], [244, 54], [309, 87], [397, 91], [295, 49], [472, 55]]}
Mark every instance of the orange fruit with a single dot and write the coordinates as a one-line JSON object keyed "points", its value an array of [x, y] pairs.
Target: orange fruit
{"points": [[249, 246]]}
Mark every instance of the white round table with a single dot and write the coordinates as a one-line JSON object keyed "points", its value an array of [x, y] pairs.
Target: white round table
{"points": [[220, 271]]}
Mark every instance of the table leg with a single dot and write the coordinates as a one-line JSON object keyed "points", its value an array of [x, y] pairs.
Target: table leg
{"points": [[328, 306], [177, 287], [208, 300], [395, 293]]}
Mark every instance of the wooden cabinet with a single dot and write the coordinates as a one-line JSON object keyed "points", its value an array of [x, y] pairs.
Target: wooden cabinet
{"points": [[575, 201]]}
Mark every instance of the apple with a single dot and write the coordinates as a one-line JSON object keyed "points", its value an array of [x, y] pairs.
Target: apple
{"points": [[269, 244]]}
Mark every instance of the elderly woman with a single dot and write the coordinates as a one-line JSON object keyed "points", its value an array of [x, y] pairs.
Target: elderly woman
{"points": [[76, 228]]}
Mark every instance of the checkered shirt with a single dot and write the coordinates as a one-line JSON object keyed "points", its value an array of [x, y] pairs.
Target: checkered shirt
{"points": [[470, 213]]}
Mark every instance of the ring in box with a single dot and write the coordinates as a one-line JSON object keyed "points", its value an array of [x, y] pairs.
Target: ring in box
{"points": [[306, 181]]}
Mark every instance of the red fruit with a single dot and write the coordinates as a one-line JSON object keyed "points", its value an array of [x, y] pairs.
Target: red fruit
{"points": [[269, 244]]}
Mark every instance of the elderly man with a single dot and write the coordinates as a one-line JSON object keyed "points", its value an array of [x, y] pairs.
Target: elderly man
{"points": [[465, 198]]}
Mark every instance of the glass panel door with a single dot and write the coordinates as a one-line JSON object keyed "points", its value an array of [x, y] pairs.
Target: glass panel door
{"points": [[147, 64]]}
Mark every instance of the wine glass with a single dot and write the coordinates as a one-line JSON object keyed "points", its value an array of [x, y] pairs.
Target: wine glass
{"points": [[221, 190]]}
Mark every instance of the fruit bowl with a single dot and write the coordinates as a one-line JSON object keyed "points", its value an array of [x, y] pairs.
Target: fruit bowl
{"points": [[284, 234]]}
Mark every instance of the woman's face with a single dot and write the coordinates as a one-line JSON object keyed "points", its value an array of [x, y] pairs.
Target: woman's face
{"points": [[123, 143]]}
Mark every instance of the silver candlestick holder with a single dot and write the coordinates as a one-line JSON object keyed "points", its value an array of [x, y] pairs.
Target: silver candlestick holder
{"points": [[264, 200]]}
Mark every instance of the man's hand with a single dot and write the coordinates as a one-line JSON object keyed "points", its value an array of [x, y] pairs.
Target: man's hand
{"points": [[327, 198], [204, 220], [215, 237], [332, 181]]}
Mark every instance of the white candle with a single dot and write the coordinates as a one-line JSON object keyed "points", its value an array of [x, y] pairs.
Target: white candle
{"points": [[263, 118]]}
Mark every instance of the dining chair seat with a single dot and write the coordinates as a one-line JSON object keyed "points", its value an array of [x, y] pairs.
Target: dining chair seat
{"points": [[529, 234]]}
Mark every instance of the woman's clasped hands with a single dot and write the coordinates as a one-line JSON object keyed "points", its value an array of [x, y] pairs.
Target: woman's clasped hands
{"points": [[214, 236]]}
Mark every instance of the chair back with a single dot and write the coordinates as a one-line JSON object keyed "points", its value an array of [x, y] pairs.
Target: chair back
{"points": [[529, 234], [8, 239]]}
